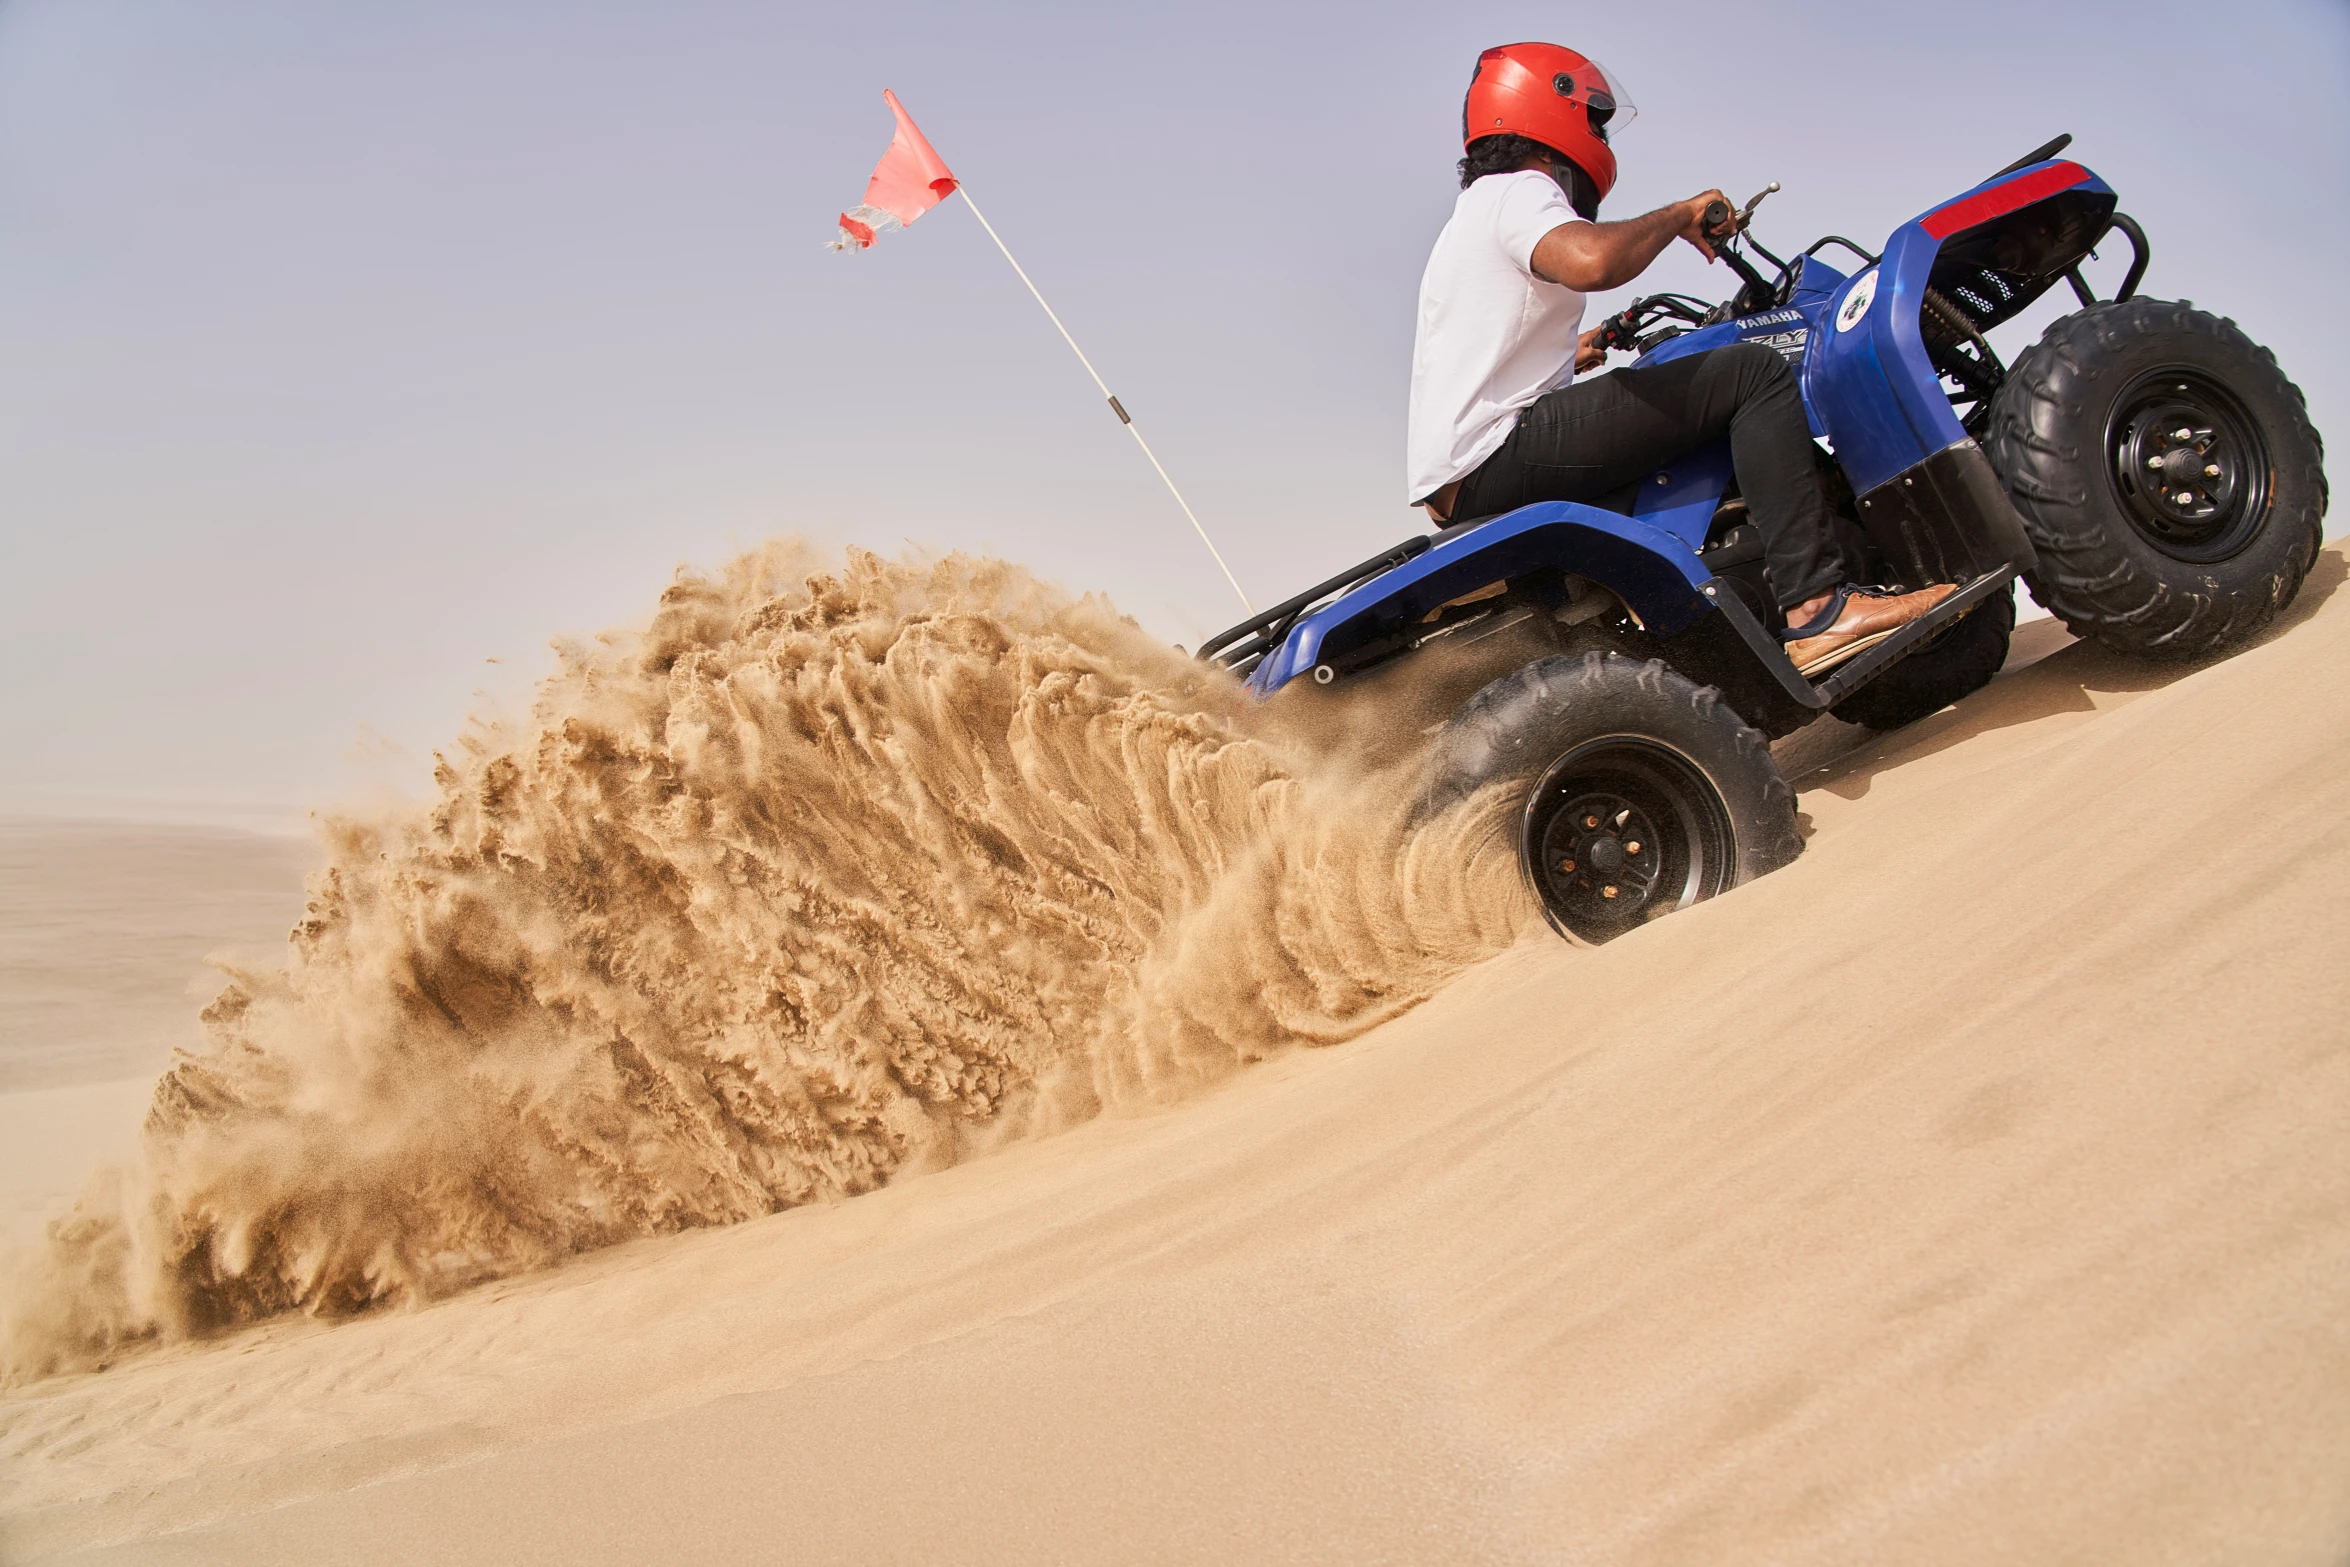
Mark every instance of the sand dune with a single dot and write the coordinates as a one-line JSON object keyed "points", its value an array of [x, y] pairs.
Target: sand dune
{"points": [[1977, 1189]]}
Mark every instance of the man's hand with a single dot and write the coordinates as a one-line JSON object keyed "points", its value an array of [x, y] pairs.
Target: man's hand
{"points": [[1696, 230], [1588, 354], [1594, 257]]}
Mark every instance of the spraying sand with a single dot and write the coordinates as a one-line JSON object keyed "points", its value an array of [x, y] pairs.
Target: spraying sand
{"points": [[821, 877], [1973, 1190]]}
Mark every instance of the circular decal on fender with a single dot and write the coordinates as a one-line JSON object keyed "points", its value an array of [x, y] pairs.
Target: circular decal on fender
{"points": [[1856, 303]]}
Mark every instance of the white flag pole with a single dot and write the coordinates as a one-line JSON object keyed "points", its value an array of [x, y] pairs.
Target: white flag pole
{"points": [[1116, 407]]}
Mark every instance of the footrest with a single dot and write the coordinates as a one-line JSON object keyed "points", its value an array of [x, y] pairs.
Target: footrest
{"points": [[1850, 676], [1856, 672]]}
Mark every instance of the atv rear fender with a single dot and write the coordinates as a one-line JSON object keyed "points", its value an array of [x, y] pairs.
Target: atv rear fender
{"points": [[1696, 620]]}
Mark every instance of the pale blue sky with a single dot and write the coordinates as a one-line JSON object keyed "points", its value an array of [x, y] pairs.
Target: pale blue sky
{"points": [[345, 347]]}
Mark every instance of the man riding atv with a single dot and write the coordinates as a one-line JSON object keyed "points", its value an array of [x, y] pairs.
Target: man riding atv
{"points": [[1498, 418], [1602, 613]]}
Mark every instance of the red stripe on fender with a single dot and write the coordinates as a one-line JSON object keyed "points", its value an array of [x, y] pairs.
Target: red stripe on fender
{"points": [[1984, 205]]}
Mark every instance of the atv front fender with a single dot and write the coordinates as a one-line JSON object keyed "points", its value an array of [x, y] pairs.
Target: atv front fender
{"points": [[1868, 378], [1656, 574]]}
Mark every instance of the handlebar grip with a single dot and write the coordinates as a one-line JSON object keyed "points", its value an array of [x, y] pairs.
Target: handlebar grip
{"points": [[1715, 223]]}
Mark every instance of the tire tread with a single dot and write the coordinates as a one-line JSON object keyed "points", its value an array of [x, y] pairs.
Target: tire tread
{"points": [[1510, 730], [2101, 586]]}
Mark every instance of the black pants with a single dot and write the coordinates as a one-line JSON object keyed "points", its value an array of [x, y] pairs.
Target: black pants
{"points": [[1595, 437]]}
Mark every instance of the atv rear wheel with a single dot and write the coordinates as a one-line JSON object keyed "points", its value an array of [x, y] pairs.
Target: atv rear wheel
{"points": [[1643, 793], [2168, 474], [1957, 663]]}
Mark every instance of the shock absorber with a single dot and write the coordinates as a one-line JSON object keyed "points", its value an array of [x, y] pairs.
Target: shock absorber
{"points": [[1982, 375]]}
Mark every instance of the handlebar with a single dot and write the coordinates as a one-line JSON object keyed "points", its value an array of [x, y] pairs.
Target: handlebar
{"points": [[1637, 326], [1721, 228], [1719, 225], [1630, 327]]}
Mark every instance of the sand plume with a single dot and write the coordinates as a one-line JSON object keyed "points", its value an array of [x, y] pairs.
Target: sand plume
{"points": [[823, 875]]}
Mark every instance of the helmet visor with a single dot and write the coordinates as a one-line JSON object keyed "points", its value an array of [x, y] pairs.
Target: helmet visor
{"points": [[1601, 93]]}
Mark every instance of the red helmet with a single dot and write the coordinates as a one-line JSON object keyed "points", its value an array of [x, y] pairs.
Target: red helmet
{"points": [[1552, 95]]}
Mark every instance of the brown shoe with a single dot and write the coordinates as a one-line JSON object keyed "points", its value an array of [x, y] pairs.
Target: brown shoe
{"points": [[1863, 617]]}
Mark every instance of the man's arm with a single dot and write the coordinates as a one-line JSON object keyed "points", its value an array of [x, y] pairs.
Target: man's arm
{"points": [[1594, 257]]}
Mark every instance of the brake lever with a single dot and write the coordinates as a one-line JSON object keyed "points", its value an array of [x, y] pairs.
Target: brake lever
{"points": [[1747, 216]]}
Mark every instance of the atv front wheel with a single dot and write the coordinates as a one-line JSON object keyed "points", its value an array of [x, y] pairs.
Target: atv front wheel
{"points": [[1957, 663], [1643, 793], [2167, 472]]}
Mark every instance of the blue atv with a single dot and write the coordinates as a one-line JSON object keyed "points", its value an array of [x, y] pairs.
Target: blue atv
{"points": [[2146, 468]]}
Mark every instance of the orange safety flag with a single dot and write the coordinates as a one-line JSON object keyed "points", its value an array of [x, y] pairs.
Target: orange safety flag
{"points": [[910, 180]]}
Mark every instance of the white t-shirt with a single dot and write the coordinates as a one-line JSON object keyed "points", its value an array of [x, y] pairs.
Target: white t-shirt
{"points": [[1492, 336]]}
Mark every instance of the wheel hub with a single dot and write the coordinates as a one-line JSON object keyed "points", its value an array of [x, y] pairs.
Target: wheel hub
{"points": [[2191, 472], [2184, 468], [1620, 830], [1604, 853], [2188, 464], [1608, 854]]}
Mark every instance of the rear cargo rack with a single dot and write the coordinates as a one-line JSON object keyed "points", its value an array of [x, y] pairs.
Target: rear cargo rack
{"points": [[1243, 645]]}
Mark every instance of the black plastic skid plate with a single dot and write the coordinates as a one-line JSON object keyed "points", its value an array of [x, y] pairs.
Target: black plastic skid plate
{"points": [[1947, 519]]}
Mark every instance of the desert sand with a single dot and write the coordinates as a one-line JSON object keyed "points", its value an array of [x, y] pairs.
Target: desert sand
{"points": [[1977, 1189]]}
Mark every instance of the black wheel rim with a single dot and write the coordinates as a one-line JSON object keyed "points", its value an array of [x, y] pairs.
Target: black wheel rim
{"points": [[1621, 830], [2189, 464]]}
